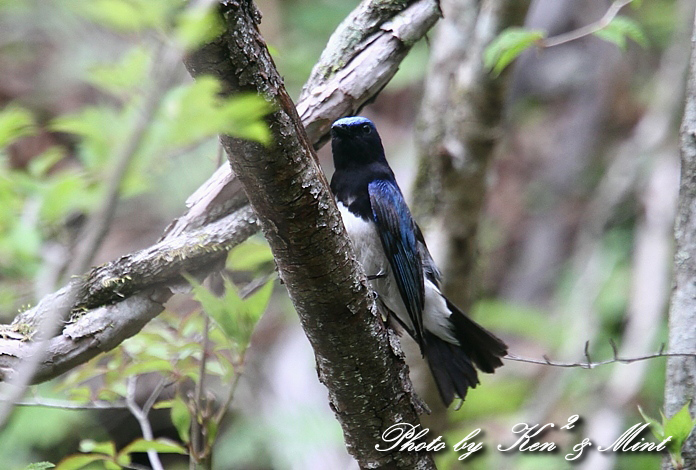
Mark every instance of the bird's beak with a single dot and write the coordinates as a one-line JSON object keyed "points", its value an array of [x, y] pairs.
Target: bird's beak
{"points": [[338, 130]]}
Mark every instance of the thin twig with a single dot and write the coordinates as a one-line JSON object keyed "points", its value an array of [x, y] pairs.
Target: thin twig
{"points": [[591, 365], [144, 423], [68, 405], [588, 30], [155, 394], [198, 398]]}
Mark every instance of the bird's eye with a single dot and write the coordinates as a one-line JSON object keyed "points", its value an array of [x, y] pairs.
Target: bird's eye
{"points": [[366, 129]]}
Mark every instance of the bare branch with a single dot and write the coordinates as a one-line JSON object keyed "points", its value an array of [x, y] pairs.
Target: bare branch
{"points": [[141, 416], [545, 361]]}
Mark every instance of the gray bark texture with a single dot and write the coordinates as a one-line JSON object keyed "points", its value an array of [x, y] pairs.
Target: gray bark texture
{"points": [[680, 387], [368, 383], [459, 126]]}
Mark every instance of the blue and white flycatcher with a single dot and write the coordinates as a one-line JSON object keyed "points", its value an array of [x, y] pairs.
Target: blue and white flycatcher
{"points": [[390, 246]]}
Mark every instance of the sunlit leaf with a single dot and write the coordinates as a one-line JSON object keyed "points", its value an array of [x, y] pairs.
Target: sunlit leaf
{"points": [[235, 316], [89, 445], [128, 15], [679, 427], [161, 446], [655, 427], [75, 462], [161, 405], [508, 46], [15, 122], [91, 124], [123, 76], [39, 466], [197, 26], [620, 28], [144, 366], [181, 418], [193, 112], [249, 256], [41, 164]]}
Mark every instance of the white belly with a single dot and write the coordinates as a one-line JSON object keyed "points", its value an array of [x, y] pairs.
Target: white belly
{"points": [[368, 249]]}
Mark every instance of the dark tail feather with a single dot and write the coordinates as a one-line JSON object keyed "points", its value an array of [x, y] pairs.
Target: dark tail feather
{"points": [[452, 365]]}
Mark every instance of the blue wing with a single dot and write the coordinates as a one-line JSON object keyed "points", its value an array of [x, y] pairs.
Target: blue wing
{"points": [[399, 235]]}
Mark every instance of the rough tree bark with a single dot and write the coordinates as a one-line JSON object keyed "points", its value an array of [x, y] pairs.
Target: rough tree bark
{"points": [[680, 387], [368, 383]]}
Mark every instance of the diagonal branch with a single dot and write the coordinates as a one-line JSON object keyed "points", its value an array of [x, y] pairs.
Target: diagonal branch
{"points": [[356, 356], [218, 218]]}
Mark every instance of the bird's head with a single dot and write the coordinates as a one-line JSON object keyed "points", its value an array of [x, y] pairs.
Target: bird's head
{"points": [[355, 142]]}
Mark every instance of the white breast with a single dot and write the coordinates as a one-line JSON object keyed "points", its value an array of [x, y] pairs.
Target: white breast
{"points": [[368, 249]]}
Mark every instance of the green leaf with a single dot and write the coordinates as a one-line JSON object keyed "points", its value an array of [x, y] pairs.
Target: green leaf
{"points": [[128, 15], [181, 418], [75, 462], [161, 405], [123, 76], [197, 26], [148, 365], [160, 445], [508, 46], [39, 466], [212, 428], [196, 111], [249, 256], [655, 427], [89, 445], [620, 28], [235, 316], [41, 164], [90, 124], [15, 122], [679, 427], [66, 193], [115, 466]]}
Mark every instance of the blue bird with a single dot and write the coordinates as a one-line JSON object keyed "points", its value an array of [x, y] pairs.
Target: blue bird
{"points": [[390, 246]]}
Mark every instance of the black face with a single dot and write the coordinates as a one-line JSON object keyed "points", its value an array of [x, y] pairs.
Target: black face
{"points": [[355, 142]]}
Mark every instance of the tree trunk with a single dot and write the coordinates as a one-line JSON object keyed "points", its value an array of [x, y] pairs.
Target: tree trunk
{"points": [[369, 388], [680, 387]]}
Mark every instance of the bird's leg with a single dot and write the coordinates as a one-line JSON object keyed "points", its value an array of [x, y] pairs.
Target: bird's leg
{"points": [[381, 274]]}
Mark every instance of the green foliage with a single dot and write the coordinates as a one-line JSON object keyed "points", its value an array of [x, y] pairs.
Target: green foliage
{"points": [[619, 29], [67, 180], [235, 315], [678, 427], [39, 466], [198, 26], [252, 255], [177, 349], [193, 112], [106, 453], [15, 122], [508, 46], [129, 15], [123, 76]]}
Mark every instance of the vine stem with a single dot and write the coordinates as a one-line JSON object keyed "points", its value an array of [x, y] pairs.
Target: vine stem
{"points": [[588, 30]]}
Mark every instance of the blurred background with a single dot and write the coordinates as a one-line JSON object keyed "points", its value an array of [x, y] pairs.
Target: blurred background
{"points": [[573, 249]]}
